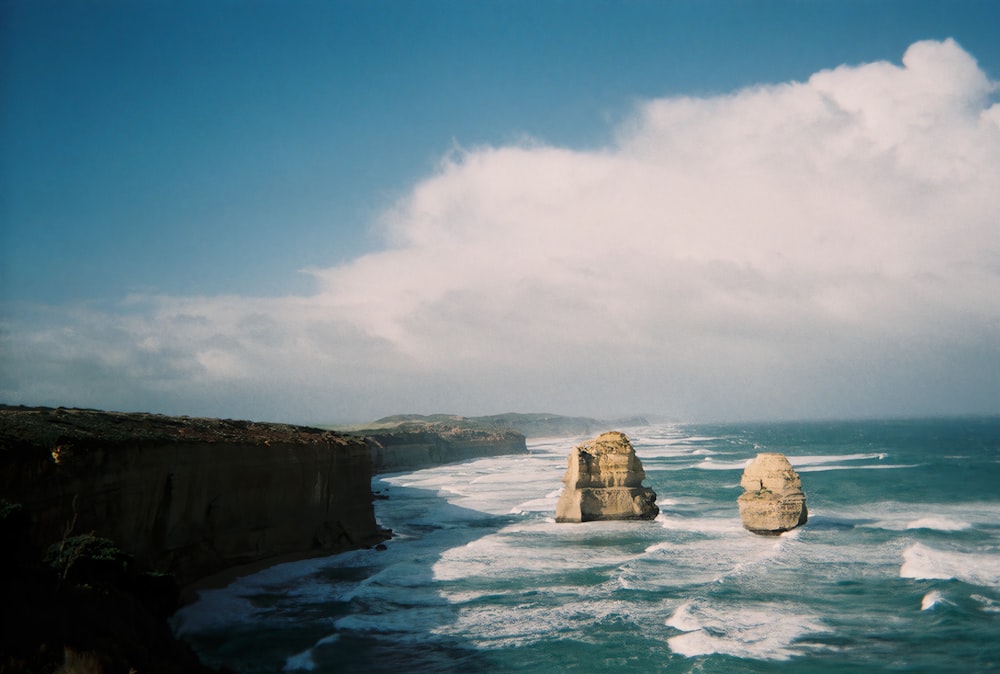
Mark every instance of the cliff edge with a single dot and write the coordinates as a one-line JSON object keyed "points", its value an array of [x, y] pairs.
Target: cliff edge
{"points": [[187, 496], [411, 442]]}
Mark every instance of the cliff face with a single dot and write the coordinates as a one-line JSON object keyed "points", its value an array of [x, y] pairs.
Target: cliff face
{"points": [[187, 496], [420, 445]]}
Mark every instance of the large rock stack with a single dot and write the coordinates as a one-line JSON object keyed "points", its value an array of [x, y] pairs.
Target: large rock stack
{"points": [[604, 482], [773, 501]]}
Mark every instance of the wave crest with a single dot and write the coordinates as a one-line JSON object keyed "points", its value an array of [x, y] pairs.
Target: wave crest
{"points": [[922, 562]]}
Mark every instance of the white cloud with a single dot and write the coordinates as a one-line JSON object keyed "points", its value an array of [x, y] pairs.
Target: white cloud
{"points": [[827, 247]]}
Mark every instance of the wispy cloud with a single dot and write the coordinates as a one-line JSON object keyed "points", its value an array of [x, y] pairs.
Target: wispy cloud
{"points": [[828, 247]]}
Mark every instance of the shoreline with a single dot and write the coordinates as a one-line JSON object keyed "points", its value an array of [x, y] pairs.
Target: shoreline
{"points": [[189, 593]]}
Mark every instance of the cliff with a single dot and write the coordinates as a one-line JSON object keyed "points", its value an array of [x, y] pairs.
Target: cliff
{"points": [[187, 496], [604, 482], [417, 444]]}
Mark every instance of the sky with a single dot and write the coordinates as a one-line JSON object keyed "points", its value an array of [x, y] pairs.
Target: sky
{"points": [[322, 212]]}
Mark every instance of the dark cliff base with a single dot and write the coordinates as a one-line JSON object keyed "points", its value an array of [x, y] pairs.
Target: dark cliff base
{"points": [[105, 513], [83, 606]]}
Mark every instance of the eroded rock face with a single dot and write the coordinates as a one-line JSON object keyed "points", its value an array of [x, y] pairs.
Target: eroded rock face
{"points": [[437, 444], [184, 495], [604, 482], [773, 501]]}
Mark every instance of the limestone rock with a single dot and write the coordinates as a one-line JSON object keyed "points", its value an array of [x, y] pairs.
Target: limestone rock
{"points": [[604, 482], [188, 496], [773, 501]]}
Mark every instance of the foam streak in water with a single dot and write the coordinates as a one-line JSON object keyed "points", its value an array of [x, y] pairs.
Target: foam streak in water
{"points": [[764, 632], [938, 523], [304, 662], [923, 562]]}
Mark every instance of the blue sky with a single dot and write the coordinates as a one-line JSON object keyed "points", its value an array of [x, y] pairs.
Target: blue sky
{"points": [[160, 153]]}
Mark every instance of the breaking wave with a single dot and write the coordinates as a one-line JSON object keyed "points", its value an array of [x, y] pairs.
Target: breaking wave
{"points": [[924, 562], [761, 632]]}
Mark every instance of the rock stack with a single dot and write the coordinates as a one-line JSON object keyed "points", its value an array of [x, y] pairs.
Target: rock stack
{"points": [[773, 501], [604, 482]]}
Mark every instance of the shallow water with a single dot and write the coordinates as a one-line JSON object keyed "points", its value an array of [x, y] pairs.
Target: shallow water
{"points": [[898, 568]]}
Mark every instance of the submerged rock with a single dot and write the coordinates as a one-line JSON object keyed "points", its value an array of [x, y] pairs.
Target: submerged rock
{"points": [[604, 482], [773, 501]]}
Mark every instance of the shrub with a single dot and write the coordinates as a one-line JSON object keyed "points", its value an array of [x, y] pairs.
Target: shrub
{"points": [[91, 560]]}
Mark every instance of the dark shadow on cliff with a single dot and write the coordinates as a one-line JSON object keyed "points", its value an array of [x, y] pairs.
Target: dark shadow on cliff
{"points": [[359, 612], [83, 605]]}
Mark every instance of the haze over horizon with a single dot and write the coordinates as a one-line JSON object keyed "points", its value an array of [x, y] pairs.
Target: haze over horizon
{"points": [[334, 212]]}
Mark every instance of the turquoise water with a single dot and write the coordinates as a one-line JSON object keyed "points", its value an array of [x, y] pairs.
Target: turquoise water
{"points": [[897, 570]]}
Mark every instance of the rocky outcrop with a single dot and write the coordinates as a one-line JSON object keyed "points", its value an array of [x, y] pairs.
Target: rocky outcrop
{"points": [[187, 496], [773, 501], [604, 482]]}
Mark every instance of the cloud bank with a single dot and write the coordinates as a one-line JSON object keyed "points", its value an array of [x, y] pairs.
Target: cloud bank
{"points": [[807, 249]]}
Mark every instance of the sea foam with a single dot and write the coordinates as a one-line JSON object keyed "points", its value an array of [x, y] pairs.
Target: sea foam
{"points": [[923, 562], [304, 662], [931, 599], [764, 632], [938, 523]]}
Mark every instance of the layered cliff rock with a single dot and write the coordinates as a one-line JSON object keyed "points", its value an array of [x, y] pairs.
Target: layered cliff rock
{"points": [[773, 501], [603, 481], [413, 442], [187, 496]]}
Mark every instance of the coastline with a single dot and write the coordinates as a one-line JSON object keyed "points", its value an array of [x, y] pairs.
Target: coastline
{"points": [[186, 505], [226, 577], [149, 509]]}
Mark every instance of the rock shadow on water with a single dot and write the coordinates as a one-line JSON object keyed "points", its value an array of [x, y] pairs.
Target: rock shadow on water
{"points": [[365, 611]]}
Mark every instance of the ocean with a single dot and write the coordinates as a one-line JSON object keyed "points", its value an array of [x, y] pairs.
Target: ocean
{"points": [[897, 569]]}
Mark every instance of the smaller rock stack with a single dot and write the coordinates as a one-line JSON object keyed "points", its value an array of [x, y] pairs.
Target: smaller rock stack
{"points": [[604, 482], [773, 501]]}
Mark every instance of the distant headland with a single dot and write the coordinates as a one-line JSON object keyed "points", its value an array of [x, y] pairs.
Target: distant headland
{"points": [[531, 425]]}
